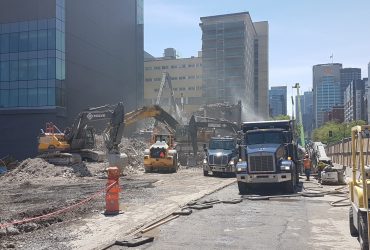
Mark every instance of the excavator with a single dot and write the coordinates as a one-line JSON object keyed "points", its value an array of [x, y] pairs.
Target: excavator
{"points": [[78, 142], [198, 132]]}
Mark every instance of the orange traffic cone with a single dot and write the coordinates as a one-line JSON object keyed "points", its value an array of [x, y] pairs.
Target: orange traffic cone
{"points": [[112, 194]]}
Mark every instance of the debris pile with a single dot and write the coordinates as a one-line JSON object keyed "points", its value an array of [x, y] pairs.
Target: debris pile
{"points": [[134, 148]]}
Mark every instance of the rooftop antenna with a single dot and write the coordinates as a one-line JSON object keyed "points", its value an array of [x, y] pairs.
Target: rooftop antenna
{"points": [[332, 58]]}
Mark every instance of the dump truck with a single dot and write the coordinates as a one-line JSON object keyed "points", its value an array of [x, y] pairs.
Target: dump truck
{"points": [[221, 156], [268, 153]]}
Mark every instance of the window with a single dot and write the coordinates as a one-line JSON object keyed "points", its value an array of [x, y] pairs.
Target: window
{"points": [[164, 67], [4, 71], [4, 43], [182, 77], [182, 89], [23, 41], [42, 68], [157, 79], [191, 77], [32, 69], [148, 68], [23, 97], [42, 39], [157, 67], [4, 98], [13, 70], [13, 98], [191, 88], [23, 70], [51, 68], [191, 65], [173, 66], [58, 71], [51, 96], [148, 79], [174, 78], [51, 39], [42, 96], [14, 41], [156, 90], [32, 36]]}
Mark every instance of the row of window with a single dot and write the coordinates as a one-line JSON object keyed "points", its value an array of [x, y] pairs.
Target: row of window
{"points": [[34, 97], [194, 65], [32, 40], [157, 79], [32, 69], [195, 88], [186, 100]]}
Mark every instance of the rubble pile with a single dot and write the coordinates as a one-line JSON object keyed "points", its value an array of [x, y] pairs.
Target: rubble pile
{"points": [[37, 168], [134, 148]]}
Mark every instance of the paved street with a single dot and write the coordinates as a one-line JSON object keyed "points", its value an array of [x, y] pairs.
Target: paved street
{"points": [[280, 223]]}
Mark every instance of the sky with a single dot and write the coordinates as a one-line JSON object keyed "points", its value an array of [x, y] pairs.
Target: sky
{"points": [[302, 33]]}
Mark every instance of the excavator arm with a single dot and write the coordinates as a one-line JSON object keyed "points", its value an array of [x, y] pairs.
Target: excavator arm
{"points": [[155, 112]]}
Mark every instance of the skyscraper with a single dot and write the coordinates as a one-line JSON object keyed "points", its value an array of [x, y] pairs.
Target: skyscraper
{"points": [[354, 104], [235, 61], [58, 57], [278, 100], [326, 90], [307, 111]]}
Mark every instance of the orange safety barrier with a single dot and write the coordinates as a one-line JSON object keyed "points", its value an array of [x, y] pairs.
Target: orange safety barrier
{"points": [[112, 194]]}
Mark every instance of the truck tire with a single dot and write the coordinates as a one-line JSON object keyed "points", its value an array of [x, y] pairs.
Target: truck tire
{"points": [[291, 185], [243, 187], [362, 226], [352, 229], [205, 173]]}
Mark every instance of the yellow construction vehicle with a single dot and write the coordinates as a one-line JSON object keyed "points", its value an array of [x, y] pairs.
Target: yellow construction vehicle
{"points": [[162, 155], [52, 139], [359, 187]]}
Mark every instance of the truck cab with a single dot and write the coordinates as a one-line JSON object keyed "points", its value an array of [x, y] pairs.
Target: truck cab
{"points": [[220, 156], [267, 154]]}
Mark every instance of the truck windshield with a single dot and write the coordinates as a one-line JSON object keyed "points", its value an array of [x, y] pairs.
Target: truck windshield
{"points": [[264, 138], [227, 145]]}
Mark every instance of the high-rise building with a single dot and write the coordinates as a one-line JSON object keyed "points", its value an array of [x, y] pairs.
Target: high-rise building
{"points": [[186, 79], [58, 57], [354, 101], [307, 111], [326, 90], [278, 100], [235, 61], [347, 75]]}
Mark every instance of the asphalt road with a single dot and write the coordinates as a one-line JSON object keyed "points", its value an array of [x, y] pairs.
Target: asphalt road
{"points": [[280, 223]]}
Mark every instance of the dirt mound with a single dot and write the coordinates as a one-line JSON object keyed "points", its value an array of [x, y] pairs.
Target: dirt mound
{"points": [[37, 168]]}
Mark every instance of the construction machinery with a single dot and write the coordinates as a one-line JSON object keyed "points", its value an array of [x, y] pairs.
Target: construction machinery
{"points": [[359, 186], [162, 155], [78, 142]]}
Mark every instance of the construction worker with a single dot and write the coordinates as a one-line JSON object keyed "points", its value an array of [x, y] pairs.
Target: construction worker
{"points": [[307, 166]]}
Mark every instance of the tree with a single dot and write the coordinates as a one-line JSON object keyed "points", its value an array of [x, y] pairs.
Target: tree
{"points": [[332, 132], [281, 117]]}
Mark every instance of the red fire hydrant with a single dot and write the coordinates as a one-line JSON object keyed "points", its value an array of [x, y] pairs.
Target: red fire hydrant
{"points": [[112, 194]]}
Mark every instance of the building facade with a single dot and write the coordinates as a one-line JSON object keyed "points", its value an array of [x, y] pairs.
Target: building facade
{"points": [[326, 90], [354, 101], [235, 61], [186, 79], [58, 58], [347, 75], [278, 101]]}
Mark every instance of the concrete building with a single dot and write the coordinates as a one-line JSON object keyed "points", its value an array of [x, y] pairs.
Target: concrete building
{"points": [[186, 75], [326, 90], [335, 114], [347, 75], [278, 101], [354, 101], [58, 57], [235, 61]]}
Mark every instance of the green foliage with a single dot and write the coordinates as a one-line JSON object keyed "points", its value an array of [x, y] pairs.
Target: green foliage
{"points": [[281, 117], [338, 131]]}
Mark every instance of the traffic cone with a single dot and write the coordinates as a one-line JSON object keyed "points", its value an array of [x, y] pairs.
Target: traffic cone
{"points": [[112, 194]]}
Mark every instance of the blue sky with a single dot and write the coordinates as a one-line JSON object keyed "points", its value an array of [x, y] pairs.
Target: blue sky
{"points": [[302, 33]]}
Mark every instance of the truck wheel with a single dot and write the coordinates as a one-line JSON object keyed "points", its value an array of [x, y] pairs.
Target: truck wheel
{"points": [[362, 226], [290, 186], [352, 228], [243, 187], [205, 173]]}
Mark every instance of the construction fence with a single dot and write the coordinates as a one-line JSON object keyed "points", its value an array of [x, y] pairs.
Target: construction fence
{"points": [[341, 152]]}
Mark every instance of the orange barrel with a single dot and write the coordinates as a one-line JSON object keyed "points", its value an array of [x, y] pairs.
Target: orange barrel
{"points": [[112, 194]]}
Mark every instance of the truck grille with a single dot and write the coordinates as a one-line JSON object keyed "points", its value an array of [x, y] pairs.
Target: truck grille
{"points": [[217, 160], [261, 163]]}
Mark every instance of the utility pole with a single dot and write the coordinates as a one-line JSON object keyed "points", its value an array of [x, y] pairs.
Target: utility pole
{"points": [[300, 115]]}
